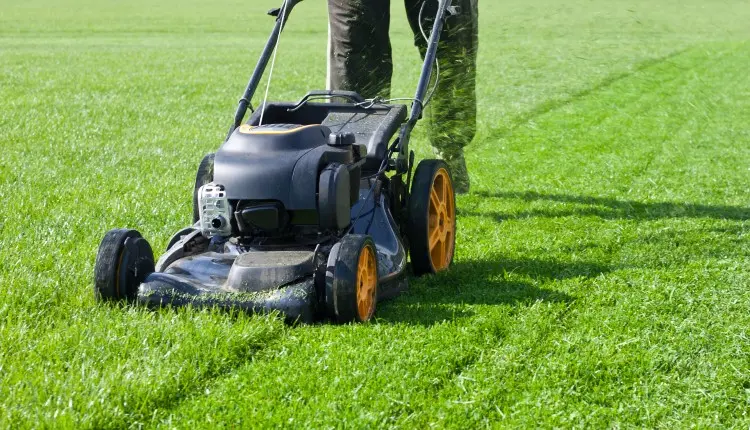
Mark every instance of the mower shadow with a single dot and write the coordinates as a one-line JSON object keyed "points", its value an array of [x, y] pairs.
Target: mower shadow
{"points": [[445, 296], [607, 208]]}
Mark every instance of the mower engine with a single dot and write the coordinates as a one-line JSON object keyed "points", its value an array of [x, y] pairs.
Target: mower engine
{"points": [[278, 180]]}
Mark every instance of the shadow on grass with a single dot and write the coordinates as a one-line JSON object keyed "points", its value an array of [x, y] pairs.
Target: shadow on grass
{"points": [[608, 208], [438, 298]]}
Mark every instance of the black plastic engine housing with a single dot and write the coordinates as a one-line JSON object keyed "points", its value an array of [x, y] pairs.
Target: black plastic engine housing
{"points": [[283, 163]]}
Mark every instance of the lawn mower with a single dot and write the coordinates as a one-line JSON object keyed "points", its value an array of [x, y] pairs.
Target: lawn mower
{"points": [[309, 208]]}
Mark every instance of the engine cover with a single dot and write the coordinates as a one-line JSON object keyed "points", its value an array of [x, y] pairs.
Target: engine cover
{"points": [[278, 162]]}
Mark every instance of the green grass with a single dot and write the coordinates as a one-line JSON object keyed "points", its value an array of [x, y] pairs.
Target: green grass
{"points": [[603, 260]]}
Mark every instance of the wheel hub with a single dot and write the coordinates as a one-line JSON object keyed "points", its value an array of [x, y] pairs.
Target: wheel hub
{"points": [[441, 220]]}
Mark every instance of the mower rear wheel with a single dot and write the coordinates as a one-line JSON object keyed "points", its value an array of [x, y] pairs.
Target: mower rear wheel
{"points": [[124, 260], [432, 218], [352, 279], [204, 176]]}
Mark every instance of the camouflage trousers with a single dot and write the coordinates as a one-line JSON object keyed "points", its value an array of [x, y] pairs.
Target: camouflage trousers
{"points": [[359, 59]]}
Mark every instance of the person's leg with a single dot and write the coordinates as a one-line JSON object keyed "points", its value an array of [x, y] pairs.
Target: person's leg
{"points": [[451, 113], [359, 52]]}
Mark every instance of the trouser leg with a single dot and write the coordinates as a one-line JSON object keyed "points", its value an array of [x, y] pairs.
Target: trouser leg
{"points": [[359, 57], [452, 111]]}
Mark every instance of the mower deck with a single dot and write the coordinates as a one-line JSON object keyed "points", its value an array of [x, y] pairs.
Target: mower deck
{"points": [[262, 281], [297, 301]]}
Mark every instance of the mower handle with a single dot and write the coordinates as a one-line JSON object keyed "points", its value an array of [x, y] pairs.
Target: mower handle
{"points": [[445, 9], [260, 67], [328, 94]]}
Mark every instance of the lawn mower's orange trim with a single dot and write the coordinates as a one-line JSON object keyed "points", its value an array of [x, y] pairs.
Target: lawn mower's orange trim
{"points": [[246, 128], [250, 129], [367, 280], [442, 220]]}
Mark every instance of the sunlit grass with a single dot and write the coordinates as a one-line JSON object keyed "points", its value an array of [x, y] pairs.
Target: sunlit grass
{"points": [[603, 259]]}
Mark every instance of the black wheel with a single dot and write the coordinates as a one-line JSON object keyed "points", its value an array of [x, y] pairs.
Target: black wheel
{"points": [[177, 236], [204, 176], [122, 263], [432, 218], [352, 279]]}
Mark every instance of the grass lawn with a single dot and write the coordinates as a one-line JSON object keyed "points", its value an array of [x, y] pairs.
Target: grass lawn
{"points": [[602, 276]]}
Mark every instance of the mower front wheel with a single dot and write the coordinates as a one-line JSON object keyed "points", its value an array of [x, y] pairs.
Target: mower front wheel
{"points": [[352, 279], [432, 218], [124, 260]]}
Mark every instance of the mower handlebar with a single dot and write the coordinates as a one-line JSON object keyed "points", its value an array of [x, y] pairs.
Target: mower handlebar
{"points": [[260, 67], [329, 94]]}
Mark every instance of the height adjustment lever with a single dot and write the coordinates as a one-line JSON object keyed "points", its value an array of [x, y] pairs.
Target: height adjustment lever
{"points": [[274, 12]]}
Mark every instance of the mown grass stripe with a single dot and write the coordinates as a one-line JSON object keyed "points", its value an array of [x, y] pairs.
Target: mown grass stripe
{"points": [[602, 260]]}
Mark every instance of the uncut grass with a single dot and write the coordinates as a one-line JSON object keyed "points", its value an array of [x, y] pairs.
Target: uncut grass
{"points": [[602, 263]]}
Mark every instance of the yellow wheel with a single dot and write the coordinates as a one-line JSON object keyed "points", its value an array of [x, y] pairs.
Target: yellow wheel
{"points": [[352, 284], [432, 218], [367, 283]]}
